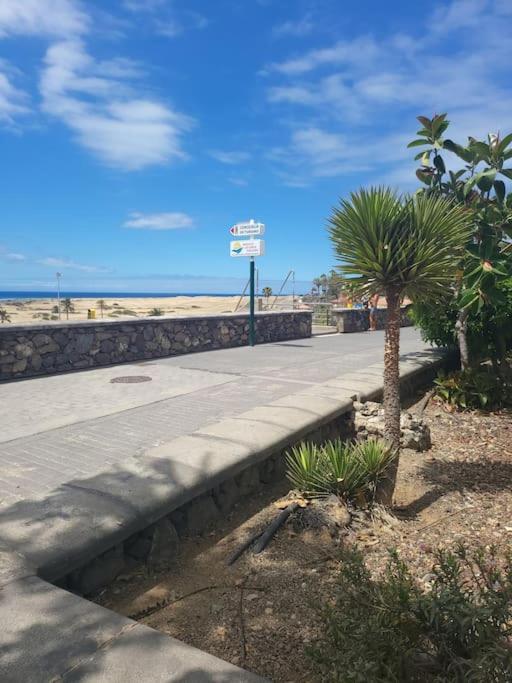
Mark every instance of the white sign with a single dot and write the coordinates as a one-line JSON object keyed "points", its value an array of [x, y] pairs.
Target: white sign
{"points": [[247, 248], [250, 229]]}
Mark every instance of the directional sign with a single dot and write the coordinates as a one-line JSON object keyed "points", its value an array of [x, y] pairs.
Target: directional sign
{"points": [[247, 248], [249, 229]]}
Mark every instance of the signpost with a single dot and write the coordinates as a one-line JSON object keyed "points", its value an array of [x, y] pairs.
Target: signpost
{"points": [[249, 247]]}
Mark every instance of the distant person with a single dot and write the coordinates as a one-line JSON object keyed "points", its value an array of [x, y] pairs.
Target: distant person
{"points": [[374, 304]]}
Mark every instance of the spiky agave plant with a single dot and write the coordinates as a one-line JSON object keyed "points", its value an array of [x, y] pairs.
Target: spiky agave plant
{"points": [[397, 246], [350, 471]]}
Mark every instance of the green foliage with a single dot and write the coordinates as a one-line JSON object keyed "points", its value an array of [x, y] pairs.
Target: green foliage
{"points": [[389, 630], [156, 311], [479, 188], [479, 389], [489, 331], [4, 316], [347, 470], [267, 292], [411, 244]]}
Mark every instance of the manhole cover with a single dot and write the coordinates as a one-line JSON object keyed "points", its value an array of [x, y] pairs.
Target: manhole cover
{"points": [[130, 379]]}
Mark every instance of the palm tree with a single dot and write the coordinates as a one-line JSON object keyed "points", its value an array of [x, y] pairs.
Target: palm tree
{"points": [[4, 316], [323, 283], [67, 307], [102, 305], [397, 247], [316, 285], [267, 293]]}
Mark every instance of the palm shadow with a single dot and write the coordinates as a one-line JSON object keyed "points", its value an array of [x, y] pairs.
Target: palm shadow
{"points": [[480, 476]]}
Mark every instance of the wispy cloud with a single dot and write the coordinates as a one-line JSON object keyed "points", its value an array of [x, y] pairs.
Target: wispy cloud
{"points": [[238, 182], [105, 112], [348, 102], [60, 18], [7, 255], [165, 19], [54, 262], [13, 101], [103, 102], [231, 158], [300, 27], [159, 221]]}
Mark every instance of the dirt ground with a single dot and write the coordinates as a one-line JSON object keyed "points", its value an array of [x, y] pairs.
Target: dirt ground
{"points": [[261, 612]]}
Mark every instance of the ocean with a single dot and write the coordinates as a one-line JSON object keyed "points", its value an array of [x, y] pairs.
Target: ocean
{"points": [[52, 294]]}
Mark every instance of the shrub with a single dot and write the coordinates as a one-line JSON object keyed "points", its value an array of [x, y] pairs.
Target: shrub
{"points": [[469, 389], [156, 311], [387, 629], [347, 470]]}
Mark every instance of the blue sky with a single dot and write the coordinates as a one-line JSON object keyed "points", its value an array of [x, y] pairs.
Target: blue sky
{"points": [[135, 132]]}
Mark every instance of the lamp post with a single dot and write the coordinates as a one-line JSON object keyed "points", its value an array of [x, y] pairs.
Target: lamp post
{"points": [[58, 276]]}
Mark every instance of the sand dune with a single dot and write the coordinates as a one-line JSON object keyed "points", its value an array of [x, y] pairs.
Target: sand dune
{"points": [[38, 311]]}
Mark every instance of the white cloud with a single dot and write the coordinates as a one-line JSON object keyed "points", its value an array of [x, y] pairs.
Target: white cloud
{"points": [[351, 103], [13, 102], [363, 50], [159, 221], [102, 102], [143, 5], [7, 255], [299, 28], [53, 262], [60, 18], [238, 182], [98, 102], [232, 158]]}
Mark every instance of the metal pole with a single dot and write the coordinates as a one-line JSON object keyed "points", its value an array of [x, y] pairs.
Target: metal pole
{"points": [[252, 340], [58, 293]]}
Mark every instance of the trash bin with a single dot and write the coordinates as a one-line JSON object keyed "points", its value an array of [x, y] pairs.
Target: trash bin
{"points": [[91, 314]]}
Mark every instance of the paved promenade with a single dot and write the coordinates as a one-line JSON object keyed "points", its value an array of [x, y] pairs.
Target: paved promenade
{"points": [[86, 462], [65, 427]]}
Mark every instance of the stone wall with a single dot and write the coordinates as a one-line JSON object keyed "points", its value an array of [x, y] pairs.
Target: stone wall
{"points": [[30, 350], [158, 545], [358, 319]]}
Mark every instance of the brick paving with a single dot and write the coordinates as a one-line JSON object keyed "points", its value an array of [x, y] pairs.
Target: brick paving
{"points": [[66, 427]]}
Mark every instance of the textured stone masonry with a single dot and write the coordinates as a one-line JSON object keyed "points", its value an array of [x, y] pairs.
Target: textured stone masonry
{"points": [[358, 319], [30, 350]]}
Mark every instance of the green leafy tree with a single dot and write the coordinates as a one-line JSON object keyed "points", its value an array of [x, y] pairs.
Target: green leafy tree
{"points": [[67, 307], [399, 247], [4, 316], [478, 283]]}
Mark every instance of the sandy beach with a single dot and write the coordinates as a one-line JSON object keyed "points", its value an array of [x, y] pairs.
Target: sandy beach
{"points": [[36, 311]]}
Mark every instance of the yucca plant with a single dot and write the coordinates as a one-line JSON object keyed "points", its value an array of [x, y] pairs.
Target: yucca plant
{"points": [[306, 470], [350, 471], [397, 246], [347, 476]]}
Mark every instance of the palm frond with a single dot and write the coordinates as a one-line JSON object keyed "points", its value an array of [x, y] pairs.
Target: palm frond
{"points": [[410, 243]]}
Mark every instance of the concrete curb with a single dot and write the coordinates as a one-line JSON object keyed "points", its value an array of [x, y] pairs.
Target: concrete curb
{"points": [[80, 520]]}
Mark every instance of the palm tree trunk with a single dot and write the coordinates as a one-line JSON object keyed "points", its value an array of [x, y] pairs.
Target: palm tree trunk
{"points": [[391, 392], [461, 328]]}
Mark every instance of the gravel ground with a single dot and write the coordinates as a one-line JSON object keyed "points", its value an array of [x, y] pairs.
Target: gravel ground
{"points": [[262, 612]]}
